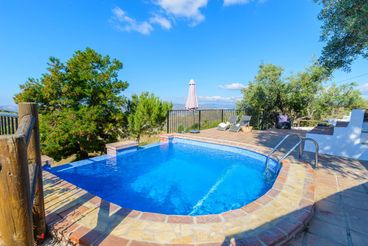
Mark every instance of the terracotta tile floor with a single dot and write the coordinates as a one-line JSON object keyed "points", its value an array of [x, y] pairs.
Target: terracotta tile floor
{"points": [[342, 204], [341, 216]]}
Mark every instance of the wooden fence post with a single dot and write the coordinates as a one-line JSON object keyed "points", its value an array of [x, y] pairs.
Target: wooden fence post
{"points": [[34, 156], [15, 197]]}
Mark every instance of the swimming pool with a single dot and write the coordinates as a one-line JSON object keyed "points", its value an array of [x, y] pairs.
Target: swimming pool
{"points": [[181, 177]]}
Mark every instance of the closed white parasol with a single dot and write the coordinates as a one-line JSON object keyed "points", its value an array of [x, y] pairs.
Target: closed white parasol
{"points": [[192, 101]]}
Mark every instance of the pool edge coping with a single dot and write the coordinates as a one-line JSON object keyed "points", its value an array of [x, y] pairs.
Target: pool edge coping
{"points": [[305, 210]]}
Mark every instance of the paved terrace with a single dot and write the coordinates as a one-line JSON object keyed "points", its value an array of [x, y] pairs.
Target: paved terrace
{"points": [[341, 196], [341, 214]]}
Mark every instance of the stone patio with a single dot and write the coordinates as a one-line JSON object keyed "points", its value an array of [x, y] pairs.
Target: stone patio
{"points": [[341, 214]]}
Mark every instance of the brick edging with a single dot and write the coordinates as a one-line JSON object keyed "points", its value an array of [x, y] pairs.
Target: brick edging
{"points": [[281, 232]]}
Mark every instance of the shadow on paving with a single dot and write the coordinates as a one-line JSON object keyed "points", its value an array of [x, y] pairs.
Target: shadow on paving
{"points": [[340, 219], [343, 166], [106, 223], [64, 220], [270, 138], [265, 138]]}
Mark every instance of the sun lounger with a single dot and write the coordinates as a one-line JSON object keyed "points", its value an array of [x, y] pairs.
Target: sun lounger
{"points": [[244, 121], [224, 126]]}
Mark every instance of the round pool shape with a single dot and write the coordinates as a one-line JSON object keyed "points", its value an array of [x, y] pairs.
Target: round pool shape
{"points": [[182, 177]]}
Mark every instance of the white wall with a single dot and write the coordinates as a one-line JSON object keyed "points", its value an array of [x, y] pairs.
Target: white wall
{"points": [[345, 141]]}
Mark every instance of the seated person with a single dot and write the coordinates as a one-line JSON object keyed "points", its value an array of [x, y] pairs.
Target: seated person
{"points": [[283, 122]]}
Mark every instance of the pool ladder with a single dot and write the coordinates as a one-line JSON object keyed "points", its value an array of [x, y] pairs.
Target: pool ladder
{"points": [[300, 144]]}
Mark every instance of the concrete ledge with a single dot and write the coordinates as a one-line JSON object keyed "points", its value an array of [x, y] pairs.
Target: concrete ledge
{"points": [[46, 160], [113, 148], [166, 138]]}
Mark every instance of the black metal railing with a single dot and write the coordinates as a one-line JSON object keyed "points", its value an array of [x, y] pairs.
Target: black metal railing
{"points": [[186, 120], [8, 123], [177, 120]]}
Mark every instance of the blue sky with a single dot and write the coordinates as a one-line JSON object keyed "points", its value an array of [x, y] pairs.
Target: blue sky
{"points": [[165, 43]]}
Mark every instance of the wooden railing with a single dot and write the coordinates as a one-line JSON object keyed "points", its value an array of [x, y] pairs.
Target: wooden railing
{"points": [[8, 123], [22, 212]]}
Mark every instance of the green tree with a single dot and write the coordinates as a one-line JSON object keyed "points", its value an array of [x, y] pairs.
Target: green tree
{"points": [[336, 101], [301, 95], [81, 104], [303, 89], [345, 29], [147, 114], [265, 95]]}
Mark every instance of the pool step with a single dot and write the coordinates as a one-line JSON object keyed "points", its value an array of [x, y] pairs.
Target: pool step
{"points": [[113, 148]]}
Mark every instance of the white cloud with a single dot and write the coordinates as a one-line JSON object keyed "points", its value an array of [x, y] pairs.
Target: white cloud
{"points": [[233, 86], [237, 2], [363, 89], [162, 21], [219, 99], [165, 14], [233, 2], [125, 23], [189, 9]]}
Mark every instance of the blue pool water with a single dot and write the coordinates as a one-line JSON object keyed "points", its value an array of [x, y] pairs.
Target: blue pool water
{"points": [[181, 177]]}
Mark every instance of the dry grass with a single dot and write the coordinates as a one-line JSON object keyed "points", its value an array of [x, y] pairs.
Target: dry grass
{"points": [[65, 161], [149, 139], [73, 158]]}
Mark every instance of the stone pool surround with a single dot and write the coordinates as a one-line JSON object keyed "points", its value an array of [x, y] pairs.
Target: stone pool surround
{"points": [[75, 216]]}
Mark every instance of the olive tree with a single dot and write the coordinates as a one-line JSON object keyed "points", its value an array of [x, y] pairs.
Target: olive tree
{"points": [[345, 31]]}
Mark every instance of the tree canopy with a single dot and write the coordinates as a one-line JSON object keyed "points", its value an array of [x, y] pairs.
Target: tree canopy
{"points": [[300, 95], [265, 94], [80, 102], [147, 114], [303, 91], [333, 101], [345, 29]]}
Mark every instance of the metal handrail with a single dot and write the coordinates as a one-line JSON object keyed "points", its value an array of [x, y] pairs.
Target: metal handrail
{"points": [[279, 144], [300, 143], [316, 152], [291, 150]]}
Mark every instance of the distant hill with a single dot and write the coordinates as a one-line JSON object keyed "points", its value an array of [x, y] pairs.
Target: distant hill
{"points": [[209, 105], [9, 108], [212, 105]]}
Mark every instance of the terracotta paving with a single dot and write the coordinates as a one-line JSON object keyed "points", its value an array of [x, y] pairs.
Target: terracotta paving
{"points": [[341, 216], [339, 186]]}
